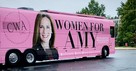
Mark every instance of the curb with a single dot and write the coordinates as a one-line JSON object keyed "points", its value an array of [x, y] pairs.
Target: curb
{"points": [[125, 48]]}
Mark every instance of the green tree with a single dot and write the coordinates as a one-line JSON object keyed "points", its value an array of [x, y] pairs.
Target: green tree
{"points": [[127, 27], [93, 8], [120, 9]]}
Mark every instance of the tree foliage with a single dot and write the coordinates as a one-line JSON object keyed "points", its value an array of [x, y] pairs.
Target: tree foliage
{"points": [[93, 8], [127, 27]]}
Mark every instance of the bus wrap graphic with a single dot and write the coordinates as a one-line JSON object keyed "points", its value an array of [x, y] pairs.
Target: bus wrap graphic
{"points": [[16, 26]]}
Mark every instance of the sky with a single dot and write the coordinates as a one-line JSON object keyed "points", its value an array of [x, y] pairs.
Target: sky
{"points": [[68, 6]]}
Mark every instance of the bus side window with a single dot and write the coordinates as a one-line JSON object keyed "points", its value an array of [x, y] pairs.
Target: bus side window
{"points": [[112, 32]]}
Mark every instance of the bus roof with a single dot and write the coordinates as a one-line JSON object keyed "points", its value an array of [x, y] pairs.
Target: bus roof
{"points": [[81, 15]]}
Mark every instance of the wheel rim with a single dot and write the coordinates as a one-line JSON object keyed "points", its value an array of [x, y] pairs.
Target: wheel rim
{"points": [[30, 58], [13, 58], [105, 52]]}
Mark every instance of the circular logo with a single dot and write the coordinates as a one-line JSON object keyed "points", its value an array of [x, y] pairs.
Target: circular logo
{"points": [[16, 27]]}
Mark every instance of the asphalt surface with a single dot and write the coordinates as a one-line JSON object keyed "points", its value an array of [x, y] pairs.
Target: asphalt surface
{"points": [[122, 60]]}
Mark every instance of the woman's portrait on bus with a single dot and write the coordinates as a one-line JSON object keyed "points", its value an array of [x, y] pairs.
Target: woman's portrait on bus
{"points": [[44, 37]]}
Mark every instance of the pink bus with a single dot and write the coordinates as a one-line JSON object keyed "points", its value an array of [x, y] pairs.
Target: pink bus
{"points": [[29, 36]]}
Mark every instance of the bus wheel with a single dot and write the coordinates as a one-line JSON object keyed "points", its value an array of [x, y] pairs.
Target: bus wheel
{"points": [[104, 52], [30, 57], [13, 58]]}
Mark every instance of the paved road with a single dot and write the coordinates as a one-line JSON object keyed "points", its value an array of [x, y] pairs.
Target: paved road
{"points": [[122, 60]]}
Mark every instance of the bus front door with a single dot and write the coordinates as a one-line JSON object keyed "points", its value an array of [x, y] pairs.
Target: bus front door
{"points": [[112, 37]]}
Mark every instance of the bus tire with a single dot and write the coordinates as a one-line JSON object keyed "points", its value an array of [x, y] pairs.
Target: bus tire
{"points": [[105, 52], [13, 58], [30, 57]]}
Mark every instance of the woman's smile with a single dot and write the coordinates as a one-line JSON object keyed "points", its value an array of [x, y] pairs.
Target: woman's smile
{"points": [[45, 35]]}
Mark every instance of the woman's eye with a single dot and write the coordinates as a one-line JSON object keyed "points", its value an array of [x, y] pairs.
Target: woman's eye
{"points": [[41, 26], [47, 27]]}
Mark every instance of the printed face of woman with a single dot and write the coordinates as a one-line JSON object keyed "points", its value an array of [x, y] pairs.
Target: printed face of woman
{"points": [[45, 30]]}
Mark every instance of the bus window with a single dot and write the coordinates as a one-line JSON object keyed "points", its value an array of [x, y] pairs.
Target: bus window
{"points": [[112, 32]]}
